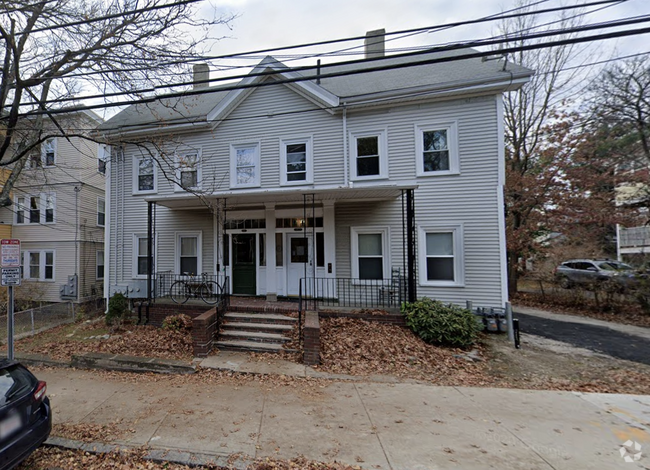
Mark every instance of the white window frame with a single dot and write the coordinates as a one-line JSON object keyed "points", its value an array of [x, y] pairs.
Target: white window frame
{"points": [[199, 250], [44, 197], [97, 264], [136, 174], [26, 209], [452, 143], [101, 212], [309, 159], [53, 141], [103, 155], [382, 147], [233, 164], [459, 254], [135, 253], [354, 250], [179, 166], [41, 265]]}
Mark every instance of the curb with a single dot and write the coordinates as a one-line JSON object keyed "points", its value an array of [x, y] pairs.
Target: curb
{"points": [[181, 457], [130, 363]]}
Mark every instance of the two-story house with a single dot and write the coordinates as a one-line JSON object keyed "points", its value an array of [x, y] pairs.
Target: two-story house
{"points": [[59, 213], [366, 168]]}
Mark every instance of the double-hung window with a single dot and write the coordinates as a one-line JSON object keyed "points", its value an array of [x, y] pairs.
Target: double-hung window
{"points": [[36, 209], [145, 175], [370, 256], [188, 252], [369, 159], [140, 255], [437, 149], [296, 161], [245, 165], [38, 265], [100, 264], [441, 256], [103, 154], [48, 152], [49, 208], [101, 211], [188, 170]]}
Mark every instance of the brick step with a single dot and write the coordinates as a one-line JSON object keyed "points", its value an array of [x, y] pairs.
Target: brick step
{"points": [[253, 336], [250, 346], [261, 327], [270, 318]]}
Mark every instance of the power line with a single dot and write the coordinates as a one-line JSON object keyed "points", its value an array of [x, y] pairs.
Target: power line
{"points": [[427, 29], [454, 47]]}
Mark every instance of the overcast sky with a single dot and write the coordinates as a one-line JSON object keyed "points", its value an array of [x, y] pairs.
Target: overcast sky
{"points": [[273, 23]]}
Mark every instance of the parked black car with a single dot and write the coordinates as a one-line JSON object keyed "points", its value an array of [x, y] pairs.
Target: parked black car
{"points": [[594, 272], [25, 413]]}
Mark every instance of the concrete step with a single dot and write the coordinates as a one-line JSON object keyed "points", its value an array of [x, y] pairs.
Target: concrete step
{"points": [[261, 327], [272, 318], [249, 346], [253, 336]]}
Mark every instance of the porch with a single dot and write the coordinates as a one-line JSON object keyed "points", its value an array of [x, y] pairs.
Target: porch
{"points": [[339, 238]]}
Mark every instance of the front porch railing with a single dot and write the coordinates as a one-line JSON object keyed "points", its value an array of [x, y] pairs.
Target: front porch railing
{"points": [[211, 289], [322, 293]]}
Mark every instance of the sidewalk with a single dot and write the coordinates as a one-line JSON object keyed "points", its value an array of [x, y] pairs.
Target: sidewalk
{"points": [[375, 425]]}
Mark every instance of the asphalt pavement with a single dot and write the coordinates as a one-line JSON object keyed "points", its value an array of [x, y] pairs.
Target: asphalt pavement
{"points": [[620, 341]]}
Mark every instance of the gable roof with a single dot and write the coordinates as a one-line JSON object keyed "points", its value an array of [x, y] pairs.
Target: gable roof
{"points": [[448, 71]]}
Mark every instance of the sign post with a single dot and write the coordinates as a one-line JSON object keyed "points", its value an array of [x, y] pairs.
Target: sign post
{"points": [[10, 262]]}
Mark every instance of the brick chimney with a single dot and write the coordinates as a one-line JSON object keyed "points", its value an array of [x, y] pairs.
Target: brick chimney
{"points": [[374, 43], [201, 76]]}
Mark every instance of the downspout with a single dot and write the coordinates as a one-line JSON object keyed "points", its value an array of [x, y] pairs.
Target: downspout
{"points": [[345, 146], [107, 231]]}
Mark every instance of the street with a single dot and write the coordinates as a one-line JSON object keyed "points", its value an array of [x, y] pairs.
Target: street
{"points": [[382, 426]]}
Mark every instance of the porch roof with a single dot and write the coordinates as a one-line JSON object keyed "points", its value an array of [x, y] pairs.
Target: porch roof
{"points": [[281, 196]]}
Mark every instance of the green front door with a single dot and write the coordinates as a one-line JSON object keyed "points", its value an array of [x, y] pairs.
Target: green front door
{"points": [[243, 268]]}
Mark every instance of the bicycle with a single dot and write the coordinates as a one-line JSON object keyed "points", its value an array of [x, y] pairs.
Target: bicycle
{"points": [[207, 290]]}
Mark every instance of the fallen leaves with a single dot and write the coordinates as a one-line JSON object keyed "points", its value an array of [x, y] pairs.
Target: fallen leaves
{"points": [[133, 340], [358, 347], [46, 458]]}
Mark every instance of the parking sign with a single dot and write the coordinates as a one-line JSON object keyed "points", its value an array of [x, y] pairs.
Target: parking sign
{"points": [[10, 253]]}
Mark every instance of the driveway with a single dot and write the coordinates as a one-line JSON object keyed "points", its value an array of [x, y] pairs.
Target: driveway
{"points": [[620, 341]]}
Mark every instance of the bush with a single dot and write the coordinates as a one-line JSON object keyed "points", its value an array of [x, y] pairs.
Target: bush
{"points": [[118, 310], [180, 322], [437, 323]]}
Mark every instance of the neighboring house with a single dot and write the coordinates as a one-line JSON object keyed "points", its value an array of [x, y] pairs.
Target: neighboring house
{"points": [[59, 214], [5, 225], [348, 177]]}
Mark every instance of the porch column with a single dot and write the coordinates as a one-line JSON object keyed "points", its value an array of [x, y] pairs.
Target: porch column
{"points": [[329, 235], [271, 284]]}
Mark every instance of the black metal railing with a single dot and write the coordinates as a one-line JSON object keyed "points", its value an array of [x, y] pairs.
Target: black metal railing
{"points": [[211, 289], [321, 292]]}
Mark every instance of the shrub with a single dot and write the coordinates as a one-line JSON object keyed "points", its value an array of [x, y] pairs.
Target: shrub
{"points": [[180, 322], [118, 310], [437, 323]]}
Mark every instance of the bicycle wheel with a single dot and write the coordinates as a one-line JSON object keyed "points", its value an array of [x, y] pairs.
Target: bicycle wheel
{"points": [[178, 292], [210, 292]]}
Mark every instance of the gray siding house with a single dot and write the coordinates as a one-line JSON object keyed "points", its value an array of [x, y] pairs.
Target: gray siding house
{"points": [[352, 174], [59, 214]]}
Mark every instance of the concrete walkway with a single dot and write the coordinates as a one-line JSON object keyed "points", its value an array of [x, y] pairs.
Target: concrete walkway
{"points": [[375, 425]]}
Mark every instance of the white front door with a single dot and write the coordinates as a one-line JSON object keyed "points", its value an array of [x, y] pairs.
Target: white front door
{"points": [[299, 261]]}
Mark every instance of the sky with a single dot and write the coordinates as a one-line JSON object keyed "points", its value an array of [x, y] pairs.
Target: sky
{"points": [[266, 24]]}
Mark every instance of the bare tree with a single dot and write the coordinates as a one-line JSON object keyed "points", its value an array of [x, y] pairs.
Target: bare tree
{"points": [[53, 50], [527, 113]]}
